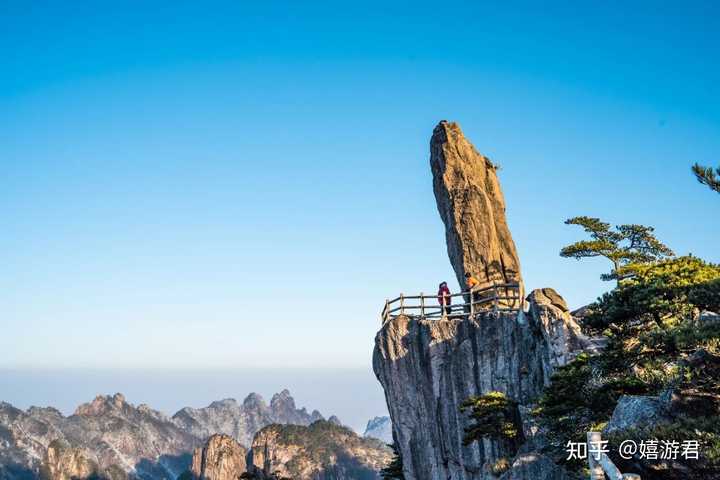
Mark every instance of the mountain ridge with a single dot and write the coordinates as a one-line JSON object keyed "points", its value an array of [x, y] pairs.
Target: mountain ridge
{"points": [[109, 432]]}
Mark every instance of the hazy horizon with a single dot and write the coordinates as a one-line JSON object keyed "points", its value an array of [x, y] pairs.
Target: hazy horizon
{"points": [[354, 395]]}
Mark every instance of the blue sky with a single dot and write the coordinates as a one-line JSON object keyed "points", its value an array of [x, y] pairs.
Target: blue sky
{"points": [[242, 184]]}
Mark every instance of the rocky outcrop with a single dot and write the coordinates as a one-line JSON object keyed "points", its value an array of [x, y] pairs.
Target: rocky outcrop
{"points": [[633, 411], [321, 451], [561, 334], [63, 462], [222, 458], [380, 428], [429, 367], [472, 207], [242, 421]]}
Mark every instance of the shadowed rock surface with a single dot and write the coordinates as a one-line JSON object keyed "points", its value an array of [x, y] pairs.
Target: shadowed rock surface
{"points": [[472, 207], [222, 458]]}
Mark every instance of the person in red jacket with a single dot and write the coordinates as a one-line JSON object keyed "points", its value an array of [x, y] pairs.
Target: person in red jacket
{"points": [[444, 298]]}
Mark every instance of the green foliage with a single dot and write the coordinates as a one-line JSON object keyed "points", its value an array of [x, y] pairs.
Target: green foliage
{"points": [[624, 246], [661, 292], [656, 343], [707, 176], [495, 416], [578, 399], [705, 430], [394, 470], [186, 475]]}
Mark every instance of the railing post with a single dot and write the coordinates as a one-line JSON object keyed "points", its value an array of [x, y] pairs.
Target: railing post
{"points": [[402, 304], [422, 305], [472, 303], [386, 312]]}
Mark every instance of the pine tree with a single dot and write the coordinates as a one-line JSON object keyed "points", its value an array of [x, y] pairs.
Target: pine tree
{"points": [[624, 246], [707, 176], [394, 469], [494, 415]]}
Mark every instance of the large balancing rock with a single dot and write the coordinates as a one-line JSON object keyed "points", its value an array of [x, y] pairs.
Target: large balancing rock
{"points": [[472, 207]]}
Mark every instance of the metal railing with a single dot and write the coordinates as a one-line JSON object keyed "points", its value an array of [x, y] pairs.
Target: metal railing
{"points": [[497, 297], [600, 464]]}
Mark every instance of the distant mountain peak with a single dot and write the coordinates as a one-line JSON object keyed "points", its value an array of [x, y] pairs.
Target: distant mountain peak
{"points": [[282, 400], [254, 399], [224, 403], [102, 404], [133, 441], [380, 428], [241, 421]]}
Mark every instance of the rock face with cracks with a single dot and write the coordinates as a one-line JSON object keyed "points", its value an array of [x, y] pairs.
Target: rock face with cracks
{"points": [[429, 367], [222, 458], [472, 207]]}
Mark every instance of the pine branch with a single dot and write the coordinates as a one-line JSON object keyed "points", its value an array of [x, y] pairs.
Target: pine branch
{"points": [[707, 176]]}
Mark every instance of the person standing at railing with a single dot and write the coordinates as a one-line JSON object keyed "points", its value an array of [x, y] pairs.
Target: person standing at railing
{"points": [[471, 283], [444, 298]]}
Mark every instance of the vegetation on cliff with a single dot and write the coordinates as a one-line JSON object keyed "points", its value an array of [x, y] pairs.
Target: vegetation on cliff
{"points": [[394, 469], [494, 415], [663, 343]]}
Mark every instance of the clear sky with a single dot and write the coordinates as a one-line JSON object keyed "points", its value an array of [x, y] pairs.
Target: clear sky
{"points": [[242, 184]]}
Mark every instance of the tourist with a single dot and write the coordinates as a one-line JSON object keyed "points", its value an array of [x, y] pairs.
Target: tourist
{"points": [[471, 283], [444, 298]]}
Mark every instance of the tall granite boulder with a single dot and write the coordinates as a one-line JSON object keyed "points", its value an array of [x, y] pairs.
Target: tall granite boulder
{"points": [[472, 207], [222, 458]]}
